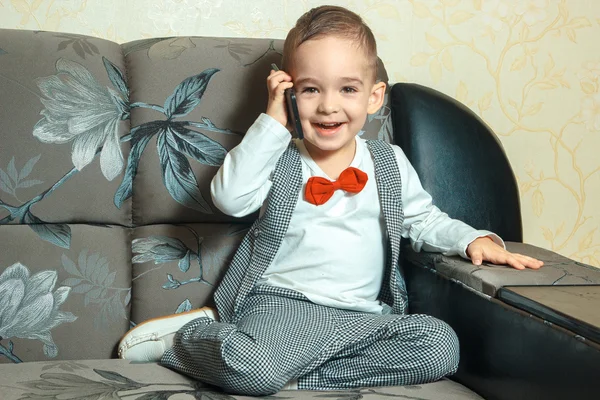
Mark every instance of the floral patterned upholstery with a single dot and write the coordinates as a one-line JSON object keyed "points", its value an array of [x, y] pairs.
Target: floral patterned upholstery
{"points": [[119, 379], [106, 155]]}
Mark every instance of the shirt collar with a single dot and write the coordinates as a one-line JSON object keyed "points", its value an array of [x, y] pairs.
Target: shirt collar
{"points": [[317, 171]]}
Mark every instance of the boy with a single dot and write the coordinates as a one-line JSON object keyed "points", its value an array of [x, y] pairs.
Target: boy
{"points": [[313, 297]]}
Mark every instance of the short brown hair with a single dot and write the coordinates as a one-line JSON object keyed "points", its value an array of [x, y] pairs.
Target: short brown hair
{"points": [[331, 21]]}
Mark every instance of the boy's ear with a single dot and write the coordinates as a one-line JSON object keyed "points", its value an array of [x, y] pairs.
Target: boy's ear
{"points": [[376, 97]]}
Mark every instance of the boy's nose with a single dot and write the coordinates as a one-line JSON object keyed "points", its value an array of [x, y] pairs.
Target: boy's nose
{"points": [[328, 105]]}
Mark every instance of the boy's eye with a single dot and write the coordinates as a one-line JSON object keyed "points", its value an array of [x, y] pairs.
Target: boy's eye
{"points": [[349, 89], [309, 90]]}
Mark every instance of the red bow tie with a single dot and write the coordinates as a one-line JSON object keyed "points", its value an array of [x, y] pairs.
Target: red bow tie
{"points": [[319, 190]]}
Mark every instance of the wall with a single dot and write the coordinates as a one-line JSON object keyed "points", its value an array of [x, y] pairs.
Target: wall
{"points": [[530, 69]]}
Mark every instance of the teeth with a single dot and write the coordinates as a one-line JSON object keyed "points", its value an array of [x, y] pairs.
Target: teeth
{"points": [[330, 125]]}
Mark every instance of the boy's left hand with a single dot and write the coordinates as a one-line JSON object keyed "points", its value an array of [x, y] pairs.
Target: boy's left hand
{"points": [[485, 249]]}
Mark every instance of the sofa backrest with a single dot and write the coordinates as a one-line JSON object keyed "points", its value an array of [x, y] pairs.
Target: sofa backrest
{"points": [[106, 156], [459, 159]]}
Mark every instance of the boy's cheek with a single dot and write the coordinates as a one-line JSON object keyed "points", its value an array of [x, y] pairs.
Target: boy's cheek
{"points": [[306, 127], [304, 113], [303, 105]]}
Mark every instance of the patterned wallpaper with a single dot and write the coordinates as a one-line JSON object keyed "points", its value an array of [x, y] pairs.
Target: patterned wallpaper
{"points": [[529, 68]]}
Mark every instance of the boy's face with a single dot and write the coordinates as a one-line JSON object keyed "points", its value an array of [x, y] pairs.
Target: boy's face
{"points": [[335, 90]]}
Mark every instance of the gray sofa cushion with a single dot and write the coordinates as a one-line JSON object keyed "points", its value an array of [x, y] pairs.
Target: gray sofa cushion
{"points": [[65, 303], [122, 379], [177, 268], [46, 79]]}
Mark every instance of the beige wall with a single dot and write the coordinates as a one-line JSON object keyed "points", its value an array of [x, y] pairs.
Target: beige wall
{"points": [[530, 69]]}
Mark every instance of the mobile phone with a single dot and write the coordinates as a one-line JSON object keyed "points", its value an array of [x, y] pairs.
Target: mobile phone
{"points": [[292, 109]]}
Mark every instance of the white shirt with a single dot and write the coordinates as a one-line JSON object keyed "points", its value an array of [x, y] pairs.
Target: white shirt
{"points": [[333, 253]]}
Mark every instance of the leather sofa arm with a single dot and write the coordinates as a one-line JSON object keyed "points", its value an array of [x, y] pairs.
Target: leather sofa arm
{"points": [[487, 279], [507, 352]]}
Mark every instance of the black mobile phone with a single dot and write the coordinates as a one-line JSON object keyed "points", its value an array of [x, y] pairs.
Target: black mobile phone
{"points": [[292, 109]]}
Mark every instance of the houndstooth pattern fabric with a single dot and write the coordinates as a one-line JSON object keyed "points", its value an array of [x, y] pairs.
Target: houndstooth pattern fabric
{"points": [[389, 186], [261, 243], [280, 335]]}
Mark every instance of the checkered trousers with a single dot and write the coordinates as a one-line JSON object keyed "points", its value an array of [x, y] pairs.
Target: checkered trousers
{"points": [[260, 245], [279, 335]]}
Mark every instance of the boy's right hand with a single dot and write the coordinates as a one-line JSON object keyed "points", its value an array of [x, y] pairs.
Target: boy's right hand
{"points": [[277, 82]]}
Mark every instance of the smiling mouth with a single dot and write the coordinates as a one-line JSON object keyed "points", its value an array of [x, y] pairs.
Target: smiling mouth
{"points": [[327, 129], [332, 125]]}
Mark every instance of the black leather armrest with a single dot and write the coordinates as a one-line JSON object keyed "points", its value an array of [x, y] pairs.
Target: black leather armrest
{"points": [[506, 353], [488, 278]]}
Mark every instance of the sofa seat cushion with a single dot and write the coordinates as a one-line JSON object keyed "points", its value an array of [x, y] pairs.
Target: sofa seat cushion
{"points": [[99, 379]]}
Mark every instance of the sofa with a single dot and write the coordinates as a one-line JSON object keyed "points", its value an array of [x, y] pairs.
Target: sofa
{"points": [[106, 220]]}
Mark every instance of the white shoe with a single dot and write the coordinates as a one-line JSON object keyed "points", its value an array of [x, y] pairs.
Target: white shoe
{"points": [[148, 341], [291, 385]]}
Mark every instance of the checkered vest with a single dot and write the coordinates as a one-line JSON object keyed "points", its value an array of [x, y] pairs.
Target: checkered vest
{"points": [[261, 243]]}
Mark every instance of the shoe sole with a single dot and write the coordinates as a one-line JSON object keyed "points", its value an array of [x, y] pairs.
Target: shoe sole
{"points": [[192, 314]]}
